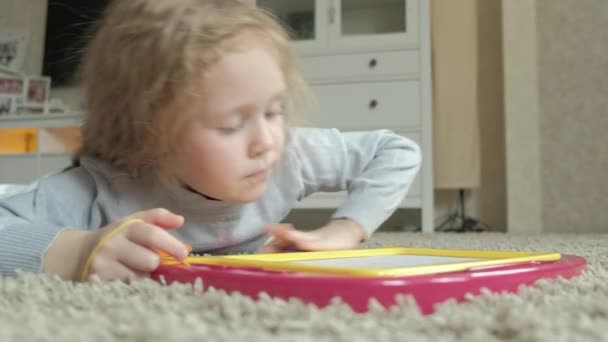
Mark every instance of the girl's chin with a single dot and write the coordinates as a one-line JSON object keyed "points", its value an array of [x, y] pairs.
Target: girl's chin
{"points": [[249, 195]]}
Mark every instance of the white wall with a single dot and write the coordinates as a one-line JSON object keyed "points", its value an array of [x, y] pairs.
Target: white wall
{"points": [[522, 116], [30, 14], [556, 105]]}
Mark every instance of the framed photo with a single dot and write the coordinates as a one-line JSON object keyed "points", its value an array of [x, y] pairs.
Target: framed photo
{"points": [[37, 90], [55, 106], [13, 86], [29, 109], [13, 47], [7, 105]]}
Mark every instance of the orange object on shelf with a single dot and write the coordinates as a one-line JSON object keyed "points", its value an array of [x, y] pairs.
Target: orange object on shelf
{"points": [[18, 140]]}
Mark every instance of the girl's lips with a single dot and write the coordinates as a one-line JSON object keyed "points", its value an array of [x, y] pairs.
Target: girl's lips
{"points": [[258, 175]]}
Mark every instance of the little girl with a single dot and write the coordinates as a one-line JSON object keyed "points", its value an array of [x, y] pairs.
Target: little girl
{"points": [[186, 142]]}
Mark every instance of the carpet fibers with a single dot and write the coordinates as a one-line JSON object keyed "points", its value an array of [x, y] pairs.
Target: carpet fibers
{"points": [[43, 308]]}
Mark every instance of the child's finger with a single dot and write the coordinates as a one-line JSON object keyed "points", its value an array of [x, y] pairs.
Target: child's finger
{"points": [[277, 229], [286, 232], [108, 269], [138, 258], [156, 238], [279, 239], [269, 248], [293, 236], [286, 238], [160, 217], [272, 245]]}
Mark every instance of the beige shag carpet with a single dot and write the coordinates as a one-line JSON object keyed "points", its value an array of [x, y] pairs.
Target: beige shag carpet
{"points": [[41, 308]]}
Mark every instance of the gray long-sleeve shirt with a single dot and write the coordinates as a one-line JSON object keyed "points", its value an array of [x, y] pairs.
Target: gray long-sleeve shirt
{"points": [[376, 168]]}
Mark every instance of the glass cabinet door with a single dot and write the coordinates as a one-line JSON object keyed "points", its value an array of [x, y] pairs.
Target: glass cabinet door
{"points": [[303, 18], [374, 23]]}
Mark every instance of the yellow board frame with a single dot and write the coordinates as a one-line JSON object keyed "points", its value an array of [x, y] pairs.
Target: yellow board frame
{"points": [[284, 261]]}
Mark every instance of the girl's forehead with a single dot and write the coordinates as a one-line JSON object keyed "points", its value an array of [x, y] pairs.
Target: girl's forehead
{"points": [[240, 82], [254, 66]]}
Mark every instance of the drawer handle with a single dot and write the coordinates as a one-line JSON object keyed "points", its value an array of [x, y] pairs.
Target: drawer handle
{"points": [[373, 63], [373, 104]]}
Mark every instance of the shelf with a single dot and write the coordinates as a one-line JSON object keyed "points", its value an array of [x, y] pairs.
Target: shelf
{"points": [[36, 154], [42, 121]]}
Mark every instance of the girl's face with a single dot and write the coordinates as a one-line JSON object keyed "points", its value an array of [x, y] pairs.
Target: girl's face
{"points": [[237, 129]]}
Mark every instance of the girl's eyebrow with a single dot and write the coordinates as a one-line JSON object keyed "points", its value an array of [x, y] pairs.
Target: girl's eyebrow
{"points": [[246, 108], [279, 95]]}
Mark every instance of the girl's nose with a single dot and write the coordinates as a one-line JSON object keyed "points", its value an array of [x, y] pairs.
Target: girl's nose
{"points": [[263, 139]]}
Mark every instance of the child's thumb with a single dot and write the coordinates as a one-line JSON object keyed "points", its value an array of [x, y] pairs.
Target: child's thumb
{"points": [[160, 217]]}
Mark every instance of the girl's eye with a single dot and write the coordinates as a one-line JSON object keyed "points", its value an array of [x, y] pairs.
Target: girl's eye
{"points": [[230, 129], [227, 130], [275, 110], [274, 114]]}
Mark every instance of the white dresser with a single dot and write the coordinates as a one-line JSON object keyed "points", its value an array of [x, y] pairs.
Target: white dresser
{"points": [[55, 137], [369, 65]]}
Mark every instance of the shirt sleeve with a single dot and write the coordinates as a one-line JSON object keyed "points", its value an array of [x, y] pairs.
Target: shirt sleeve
{"points": [[31, 220], [376, 168]]}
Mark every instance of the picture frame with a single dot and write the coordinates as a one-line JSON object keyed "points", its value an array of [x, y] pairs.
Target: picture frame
{"points": [[29, 109], [13, 86], [55, 106], [7, 105], [13, 47], [37, 90]]}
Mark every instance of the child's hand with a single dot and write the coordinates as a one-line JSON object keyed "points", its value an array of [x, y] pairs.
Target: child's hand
{"points": [[127, 248], [337, 234]]}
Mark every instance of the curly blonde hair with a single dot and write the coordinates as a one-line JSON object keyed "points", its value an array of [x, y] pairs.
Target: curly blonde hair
{"points": [[139, 67]]}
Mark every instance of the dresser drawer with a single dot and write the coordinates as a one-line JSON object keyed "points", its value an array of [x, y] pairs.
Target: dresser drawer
{"points": [[368, 105], [392, 64]]}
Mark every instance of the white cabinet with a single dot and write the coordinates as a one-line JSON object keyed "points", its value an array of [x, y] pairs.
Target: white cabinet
{"points": [[322, 26], [374, 24], [370, 105], [369, 65], [305, 18], [375, 65], [57, 137]]}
